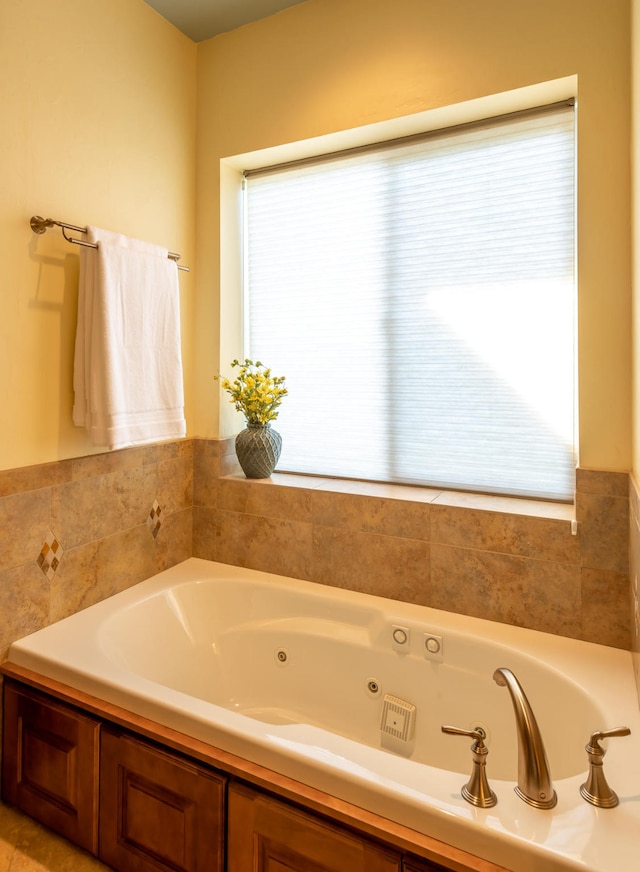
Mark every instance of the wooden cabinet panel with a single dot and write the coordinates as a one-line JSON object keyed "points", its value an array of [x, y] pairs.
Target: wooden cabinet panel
{"points": [[50, 763], [412, 864], [266, 835], [158, 811]]}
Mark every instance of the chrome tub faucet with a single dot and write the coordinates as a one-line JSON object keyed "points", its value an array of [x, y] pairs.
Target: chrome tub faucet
{"points": [[534, 777]]}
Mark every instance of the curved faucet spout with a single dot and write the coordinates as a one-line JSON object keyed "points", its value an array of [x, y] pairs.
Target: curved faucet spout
{"points": [[534, 778]]}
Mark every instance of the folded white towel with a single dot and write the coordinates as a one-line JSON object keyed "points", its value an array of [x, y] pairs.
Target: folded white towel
{"points": [[128, 364]]}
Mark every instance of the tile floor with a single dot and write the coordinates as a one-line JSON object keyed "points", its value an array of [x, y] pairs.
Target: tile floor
{"points": [[26, 846]]}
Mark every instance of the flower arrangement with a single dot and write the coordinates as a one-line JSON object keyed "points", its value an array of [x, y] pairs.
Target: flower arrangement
{"points": [[255, 392]]}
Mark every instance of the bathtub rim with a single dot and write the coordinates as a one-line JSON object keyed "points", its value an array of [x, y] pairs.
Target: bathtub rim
{"points": [[534, 640]]}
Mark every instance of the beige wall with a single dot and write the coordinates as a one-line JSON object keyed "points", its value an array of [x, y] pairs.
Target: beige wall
{"points": [[98, 127], [330, 65], [635, 139]]}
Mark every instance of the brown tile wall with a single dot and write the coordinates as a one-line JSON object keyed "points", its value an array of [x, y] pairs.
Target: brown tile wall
{"points": [[76, 531], [95, 512], [634, 573], [498, 558]]}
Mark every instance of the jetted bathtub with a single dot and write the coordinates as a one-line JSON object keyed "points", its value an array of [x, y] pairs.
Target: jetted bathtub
{"points": [[348, 692]]}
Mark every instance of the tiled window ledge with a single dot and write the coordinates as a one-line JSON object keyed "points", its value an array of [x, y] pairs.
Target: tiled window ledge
{"points": [[409, 493]]}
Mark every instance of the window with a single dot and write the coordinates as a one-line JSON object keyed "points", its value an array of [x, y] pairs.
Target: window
{"points": [[419, 296]]}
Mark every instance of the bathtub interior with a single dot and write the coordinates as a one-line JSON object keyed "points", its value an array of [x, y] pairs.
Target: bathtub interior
{"points": [[288, 657]]}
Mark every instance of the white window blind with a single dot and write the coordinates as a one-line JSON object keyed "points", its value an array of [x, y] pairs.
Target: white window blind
{"points": [[420, 299]]}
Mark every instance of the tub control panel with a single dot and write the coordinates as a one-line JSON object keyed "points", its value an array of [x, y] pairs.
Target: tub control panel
{"points": [[429, 644]]}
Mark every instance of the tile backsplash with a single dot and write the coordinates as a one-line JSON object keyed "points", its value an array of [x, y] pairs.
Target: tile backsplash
{"points": [[77, 531], [515, 561]]}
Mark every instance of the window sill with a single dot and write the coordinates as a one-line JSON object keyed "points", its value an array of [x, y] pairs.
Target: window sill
{"points": [[457, 499]]}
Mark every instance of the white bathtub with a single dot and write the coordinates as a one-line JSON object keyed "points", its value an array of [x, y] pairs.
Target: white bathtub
{"points": [[293, 676]]}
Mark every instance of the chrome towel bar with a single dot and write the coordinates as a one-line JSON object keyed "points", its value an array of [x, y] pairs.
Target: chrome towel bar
{"points": [[41, 225]]}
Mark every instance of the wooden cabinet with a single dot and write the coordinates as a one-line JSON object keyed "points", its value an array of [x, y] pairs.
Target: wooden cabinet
{"points": [[266, 835], [158, 811], [148, 799], [412, 864], [50, 763]]}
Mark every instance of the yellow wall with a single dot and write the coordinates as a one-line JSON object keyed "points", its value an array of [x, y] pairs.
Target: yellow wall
{"points": [[636, 235], [98, 127], [98, 104], [330, 65]]}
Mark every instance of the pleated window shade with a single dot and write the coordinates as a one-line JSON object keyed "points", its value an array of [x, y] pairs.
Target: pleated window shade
{"points": [[420, 298]]}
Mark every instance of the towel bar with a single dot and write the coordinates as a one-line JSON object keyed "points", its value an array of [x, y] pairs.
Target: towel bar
{"points": [[41, 225]]}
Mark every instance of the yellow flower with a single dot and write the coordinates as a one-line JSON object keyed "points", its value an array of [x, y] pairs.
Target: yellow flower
{"points": [[255, 392]]}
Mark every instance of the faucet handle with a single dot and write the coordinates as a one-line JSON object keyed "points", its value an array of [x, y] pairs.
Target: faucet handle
{"points": [[596, 789], [478, 734], [594, 748], [476, 790]]}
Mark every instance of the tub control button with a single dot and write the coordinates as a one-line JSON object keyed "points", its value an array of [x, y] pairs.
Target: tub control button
{"points": [[433, 646], [400, 638], [400, 635]]}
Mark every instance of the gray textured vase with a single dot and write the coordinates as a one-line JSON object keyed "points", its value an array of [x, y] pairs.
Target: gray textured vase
{"points": [[258, 448]]}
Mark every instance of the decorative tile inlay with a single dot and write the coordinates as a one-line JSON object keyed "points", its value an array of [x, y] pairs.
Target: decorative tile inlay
{"points": [[50, 556], [153, 521]]}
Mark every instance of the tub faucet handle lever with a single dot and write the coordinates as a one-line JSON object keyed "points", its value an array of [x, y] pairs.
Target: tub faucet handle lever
{"points": [[596, 789], [476, 790]]}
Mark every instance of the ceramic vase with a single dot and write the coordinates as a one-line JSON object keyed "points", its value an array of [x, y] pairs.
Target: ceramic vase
{"points": [[258, 448]]}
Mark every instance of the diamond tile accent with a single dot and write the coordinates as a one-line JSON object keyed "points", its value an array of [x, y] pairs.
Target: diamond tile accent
{"points": [[50, 556], [153, 521]]}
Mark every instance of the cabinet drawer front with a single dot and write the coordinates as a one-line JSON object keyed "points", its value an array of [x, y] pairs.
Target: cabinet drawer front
{"points": [[157, 811], [50, 764], [266, 835]]}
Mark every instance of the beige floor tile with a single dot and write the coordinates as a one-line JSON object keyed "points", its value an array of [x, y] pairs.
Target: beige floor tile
{"points": [[26, 846]]}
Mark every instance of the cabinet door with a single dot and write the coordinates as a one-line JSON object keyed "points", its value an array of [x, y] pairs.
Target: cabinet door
{"points": [[414, 865], [50, 763], [158, 811], [266, 835]]}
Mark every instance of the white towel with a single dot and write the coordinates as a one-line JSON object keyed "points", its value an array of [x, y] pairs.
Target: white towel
{"points": [[128, 364]]}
